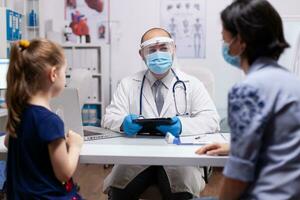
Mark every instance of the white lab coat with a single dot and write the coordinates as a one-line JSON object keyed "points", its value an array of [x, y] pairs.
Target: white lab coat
{"points": [[202, 118]]}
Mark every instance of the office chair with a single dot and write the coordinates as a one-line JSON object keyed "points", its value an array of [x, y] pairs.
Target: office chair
{"points": [[204, 75]]}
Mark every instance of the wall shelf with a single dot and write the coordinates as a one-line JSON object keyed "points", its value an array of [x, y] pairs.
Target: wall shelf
{"points": [[88, 56]]}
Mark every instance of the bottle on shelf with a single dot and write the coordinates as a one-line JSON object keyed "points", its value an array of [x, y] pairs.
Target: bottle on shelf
{"points": [[33, 18]]}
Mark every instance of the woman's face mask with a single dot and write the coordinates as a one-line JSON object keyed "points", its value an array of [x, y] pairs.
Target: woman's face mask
{"points": [[159, 62], [232, 60]]}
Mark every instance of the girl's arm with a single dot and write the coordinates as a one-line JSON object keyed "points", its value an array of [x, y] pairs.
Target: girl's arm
{"points": [[64, 155]]}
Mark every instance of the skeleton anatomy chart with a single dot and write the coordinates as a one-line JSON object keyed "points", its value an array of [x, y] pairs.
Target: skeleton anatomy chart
{"points": [[186, 21]]}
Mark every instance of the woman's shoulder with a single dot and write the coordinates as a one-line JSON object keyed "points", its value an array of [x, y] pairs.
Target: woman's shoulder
{"points": [[270, 87]]}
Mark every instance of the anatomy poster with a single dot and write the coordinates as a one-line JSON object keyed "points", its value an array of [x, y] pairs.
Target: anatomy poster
{"points": [[86, 20], [186, 21]]}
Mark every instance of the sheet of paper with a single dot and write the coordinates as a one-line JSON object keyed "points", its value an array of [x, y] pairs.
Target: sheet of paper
{"points": [[226, 136], [203, 139]]}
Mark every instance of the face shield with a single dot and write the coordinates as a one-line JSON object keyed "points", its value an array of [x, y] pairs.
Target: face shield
{"points": [[157, 44]]}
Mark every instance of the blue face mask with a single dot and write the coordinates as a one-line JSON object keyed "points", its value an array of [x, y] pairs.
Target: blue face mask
{"points": [[233, 60], [159, 62]]}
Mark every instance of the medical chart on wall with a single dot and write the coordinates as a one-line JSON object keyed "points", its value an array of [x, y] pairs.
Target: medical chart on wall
{"points": [[86, 19], [186, 21]]}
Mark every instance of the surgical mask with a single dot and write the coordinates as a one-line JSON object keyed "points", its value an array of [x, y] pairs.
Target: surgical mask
{"points": [[159, 62], [233, 60]]}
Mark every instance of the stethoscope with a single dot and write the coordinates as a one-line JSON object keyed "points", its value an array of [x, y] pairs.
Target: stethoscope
{"points": [[178, 82]]}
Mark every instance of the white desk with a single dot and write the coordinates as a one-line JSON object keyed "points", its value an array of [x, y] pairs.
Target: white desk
{"points": [[145, 151], [141, 151]]}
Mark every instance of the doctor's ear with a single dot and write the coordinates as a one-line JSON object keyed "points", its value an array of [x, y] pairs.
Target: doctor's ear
{"points": [[142, 56]]}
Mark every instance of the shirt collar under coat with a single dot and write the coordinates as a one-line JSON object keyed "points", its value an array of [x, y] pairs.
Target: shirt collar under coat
{"points": [[167, 80]]}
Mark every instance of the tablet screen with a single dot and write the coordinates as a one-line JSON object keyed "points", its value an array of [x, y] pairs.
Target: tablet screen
{"points": [[150, 124]]}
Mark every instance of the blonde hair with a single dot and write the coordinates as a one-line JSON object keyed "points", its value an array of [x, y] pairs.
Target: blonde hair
{"points": [[29, 61]]}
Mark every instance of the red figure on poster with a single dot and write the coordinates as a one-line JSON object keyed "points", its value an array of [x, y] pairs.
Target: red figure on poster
{"points": [[95, 4]]}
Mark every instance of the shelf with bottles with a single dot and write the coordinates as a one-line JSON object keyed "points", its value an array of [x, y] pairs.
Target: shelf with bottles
{"points": [[91, 115], [33, 20], [32, 13], [88, 57], [10, 29]]}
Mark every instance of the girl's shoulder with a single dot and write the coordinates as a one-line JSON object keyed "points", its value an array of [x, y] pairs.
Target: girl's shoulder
{"points": [[40, 114], [47, 125]]}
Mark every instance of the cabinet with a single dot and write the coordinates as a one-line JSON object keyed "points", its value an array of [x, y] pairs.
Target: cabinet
{"points": [[19, 21], [10, 29], [90, 57]]}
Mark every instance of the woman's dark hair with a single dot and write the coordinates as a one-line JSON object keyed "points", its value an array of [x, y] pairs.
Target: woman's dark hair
{"points": [[259, 26]]}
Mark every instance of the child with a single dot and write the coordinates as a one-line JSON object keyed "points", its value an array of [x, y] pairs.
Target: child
{"points": [[41, 159]]}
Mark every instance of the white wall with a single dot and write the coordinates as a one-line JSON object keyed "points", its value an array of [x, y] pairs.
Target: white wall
{"points": [[54, 10], [131, 18]]}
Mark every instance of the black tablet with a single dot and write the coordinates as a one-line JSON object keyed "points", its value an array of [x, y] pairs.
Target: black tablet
{"points": [[153, 121], [150, 124]]}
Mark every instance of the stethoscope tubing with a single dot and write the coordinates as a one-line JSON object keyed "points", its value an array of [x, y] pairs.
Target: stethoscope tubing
{"points": [[178, 81]]}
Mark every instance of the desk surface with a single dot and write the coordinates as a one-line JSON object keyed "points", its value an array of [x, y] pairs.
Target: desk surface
{"points": [[145, 151], [141, 151]]}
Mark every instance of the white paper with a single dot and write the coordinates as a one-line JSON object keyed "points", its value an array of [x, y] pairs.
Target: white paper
{"points": [[203, 139]]}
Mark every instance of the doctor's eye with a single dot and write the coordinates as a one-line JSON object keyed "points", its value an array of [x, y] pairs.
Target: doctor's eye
{"points": [[152, 50], [164, 49]]}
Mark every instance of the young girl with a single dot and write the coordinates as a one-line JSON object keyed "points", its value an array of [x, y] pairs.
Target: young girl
{"points": [[41, 159]]}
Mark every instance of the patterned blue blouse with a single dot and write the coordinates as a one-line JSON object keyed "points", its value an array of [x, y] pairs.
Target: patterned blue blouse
{"points": [[264, 117]]}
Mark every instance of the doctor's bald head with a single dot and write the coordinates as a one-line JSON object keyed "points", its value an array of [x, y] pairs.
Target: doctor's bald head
{"points": [[155, 32]]}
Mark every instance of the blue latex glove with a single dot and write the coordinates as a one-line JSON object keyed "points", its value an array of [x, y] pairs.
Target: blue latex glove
{"points": [[174, 128], [129, 127]]}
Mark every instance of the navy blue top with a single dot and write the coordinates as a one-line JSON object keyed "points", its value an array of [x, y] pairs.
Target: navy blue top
{"points": [[29, 170]]}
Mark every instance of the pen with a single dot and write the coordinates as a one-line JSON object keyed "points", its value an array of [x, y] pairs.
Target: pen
{"points": [[199, 137]]}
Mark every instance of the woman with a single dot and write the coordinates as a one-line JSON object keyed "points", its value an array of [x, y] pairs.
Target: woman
{"points": [[263, 110]]}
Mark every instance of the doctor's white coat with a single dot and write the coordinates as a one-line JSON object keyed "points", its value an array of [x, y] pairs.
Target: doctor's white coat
{"points": [[202, 118]]}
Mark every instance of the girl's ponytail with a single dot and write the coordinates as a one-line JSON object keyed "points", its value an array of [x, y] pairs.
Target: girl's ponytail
{"points": [[17, 93]]}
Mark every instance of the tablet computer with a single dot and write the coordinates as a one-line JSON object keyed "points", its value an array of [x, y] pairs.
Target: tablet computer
{"points": [[153, 121], [150, 124]]}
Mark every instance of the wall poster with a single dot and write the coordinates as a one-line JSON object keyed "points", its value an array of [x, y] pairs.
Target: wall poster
{"points": [[186, 21]]}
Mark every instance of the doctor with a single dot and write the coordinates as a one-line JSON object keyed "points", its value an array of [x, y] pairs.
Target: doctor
{"points": [[159, 91]]}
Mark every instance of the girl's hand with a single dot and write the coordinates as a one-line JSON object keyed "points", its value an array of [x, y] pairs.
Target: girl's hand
{"points": [[74, 139], [214, 149]]}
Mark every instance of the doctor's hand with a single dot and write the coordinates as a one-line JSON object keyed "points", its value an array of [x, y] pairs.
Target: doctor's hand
{"points": [[174, 128], [129, 127]]}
